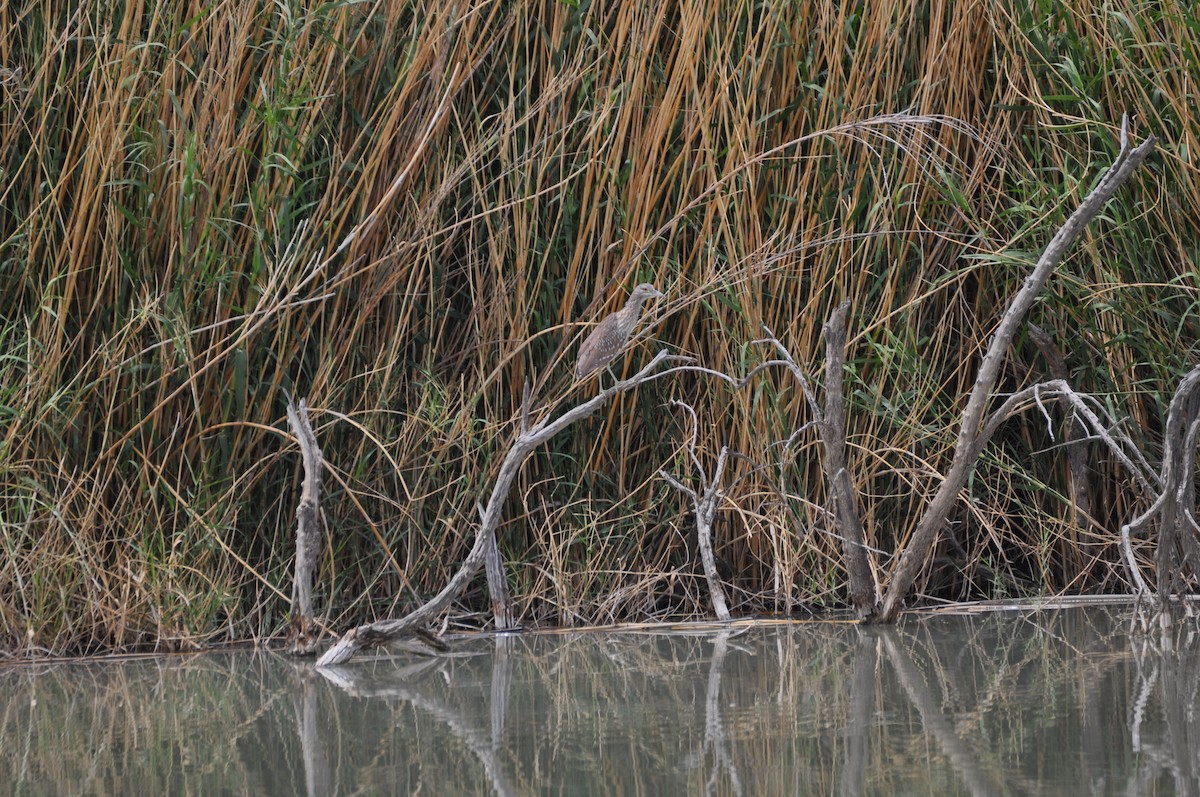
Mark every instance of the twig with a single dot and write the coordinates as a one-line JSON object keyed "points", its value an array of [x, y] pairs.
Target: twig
{"points": [[705, 505], [1076, 433]]}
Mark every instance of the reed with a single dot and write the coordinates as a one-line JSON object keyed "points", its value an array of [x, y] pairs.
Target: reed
{"points": [[180, 182]]}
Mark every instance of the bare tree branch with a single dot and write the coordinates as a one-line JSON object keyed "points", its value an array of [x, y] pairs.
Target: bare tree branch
{"points": [[303, 634], [705, 504], [966, 451], [864, 585], [1175, 506], [383, 631]]}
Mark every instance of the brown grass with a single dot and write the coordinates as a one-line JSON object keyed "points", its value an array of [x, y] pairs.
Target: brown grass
{"points": [[180, 181]]}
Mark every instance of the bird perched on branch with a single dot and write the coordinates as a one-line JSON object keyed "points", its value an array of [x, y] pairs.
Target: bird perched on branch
{"points": [[609, 337]]}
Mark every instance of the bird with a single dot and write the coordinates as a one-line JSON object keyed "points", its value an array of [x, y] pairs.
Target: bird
{"points": [[610, 335]]}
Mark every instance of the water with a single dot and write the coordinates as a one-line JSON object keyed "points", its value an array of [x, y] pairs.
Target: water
{"points": [[1052, 702]]}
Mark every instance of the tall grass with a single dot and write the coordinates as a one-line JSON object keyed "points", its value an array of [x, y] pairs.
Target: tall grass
{"points": [[404, 211]]}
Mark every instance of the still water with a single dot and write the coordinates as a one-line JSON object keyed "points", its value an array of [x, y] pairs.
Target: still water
{"points": [[1019, 702]]}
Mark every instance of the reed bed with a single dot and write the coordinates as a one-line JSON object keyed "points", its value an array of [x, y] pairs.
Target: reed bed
{"points": [[406, 211]]}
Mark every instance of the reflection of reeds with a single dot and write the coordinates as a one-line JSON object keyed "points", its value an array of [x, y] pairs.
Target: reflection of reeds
{"points": [[1005, 702], [172, 177]]}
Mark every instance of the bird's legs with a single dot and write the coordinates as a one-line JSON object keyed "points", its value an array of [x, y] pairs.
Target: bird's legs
{"points": [[606, 369]]}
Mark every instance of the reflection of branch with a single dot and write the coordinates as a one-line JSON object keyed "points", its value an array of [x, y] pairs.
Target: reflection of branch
{"points": [[706, 508], [529, 438], [1168, 674], [318, 778], [481, 744], [966, 450], [502, 672], [862, 713], [960, 755], [714, 724]]}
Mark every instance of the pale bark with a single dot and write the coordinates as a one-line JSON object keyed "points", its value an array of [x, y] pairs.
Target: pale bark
{"points": [[529, 439], [705, 503], [966, 451], [304, 633]]}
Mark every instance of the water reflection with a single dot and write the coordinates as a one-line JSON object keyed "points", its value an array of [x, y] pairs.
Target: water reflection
{"points": [[1016, 703]]}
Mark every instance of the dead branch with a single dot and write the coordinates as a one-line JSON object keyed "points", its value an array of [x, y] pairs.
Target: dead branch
{"points": [[1175, 506], [304, 633], [493, 565], [864, 585], [1076, 432], [966, 450], [705, 504], [1171, 492], [528, 439], [493, 568], [1117, 441]]}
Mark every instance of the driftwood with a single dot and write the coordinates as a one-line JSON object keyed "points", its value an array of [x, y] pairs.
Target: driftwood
{"points": [[304, 633], [705, 504], [462, 724], [530, 437], [966, 451]]}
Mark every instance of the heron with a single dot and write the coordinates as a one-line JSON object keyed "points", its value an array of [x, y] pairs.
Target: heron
{"points": [[609, 337]]}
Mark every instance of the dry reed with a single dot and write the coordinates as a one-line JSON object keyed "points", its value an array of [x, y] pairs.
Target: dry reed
{"points": [[178, 186]]}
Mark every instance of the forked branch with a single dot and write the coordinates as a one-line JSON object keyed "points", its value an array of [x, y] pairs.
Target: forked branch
{"points": [[864, 585], [705, 502], [966, 450], [1175, 507], [527, 440]]}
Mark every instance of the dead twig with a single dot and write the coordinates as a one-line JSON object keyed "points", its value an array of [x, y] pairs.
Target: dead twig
{"points": [[1076, 431], [705, 504]]}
